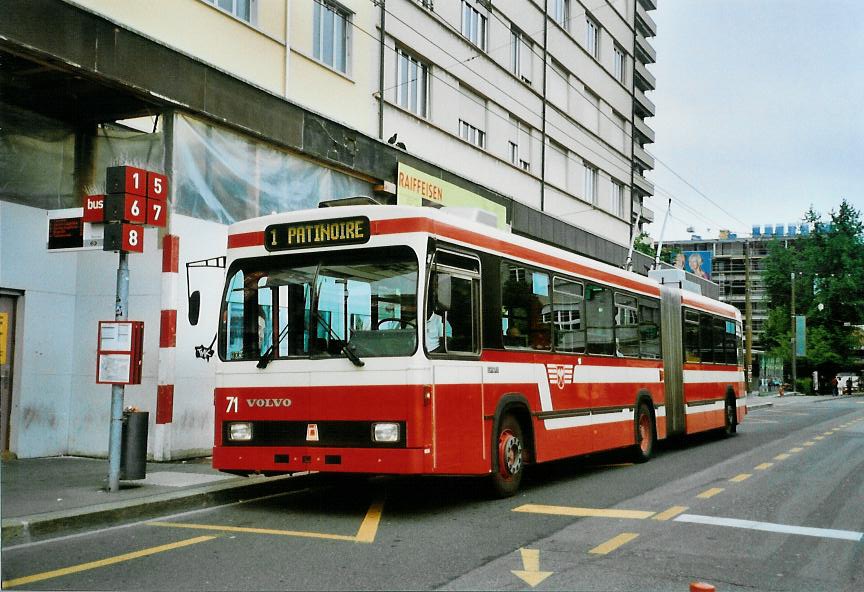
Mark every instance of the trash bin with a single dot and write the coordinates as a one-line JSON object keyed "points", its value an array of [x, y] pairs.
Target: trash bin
{"points": [[133, 448]]}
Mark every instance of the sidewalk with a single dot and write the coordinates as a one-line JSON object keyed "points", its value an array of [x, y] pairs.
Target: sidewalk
{"points": [[40, 497]]}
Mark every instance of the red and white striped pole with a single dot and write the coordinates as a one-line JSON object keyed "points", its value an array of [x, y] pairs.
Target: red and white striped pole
{"points": [[167, 347]]}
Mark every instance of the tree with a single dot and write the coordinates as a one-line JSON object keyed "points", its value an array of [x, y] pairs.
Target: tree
{"points": [[643, 244], [828, 268]]}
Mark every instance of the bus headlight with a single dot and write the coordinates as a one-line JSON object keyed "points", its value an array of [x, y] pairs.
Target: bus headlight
{"points": [[385, 432], [240, 431]]}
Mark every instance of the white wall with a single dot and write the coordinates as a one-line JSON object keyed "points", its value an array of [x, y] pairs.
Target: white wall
{"points": [[58, 408]]}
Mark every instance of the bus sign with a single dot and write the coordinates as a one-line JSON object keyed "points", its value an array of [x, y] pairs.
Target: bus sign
{"points": [[317, 233]]}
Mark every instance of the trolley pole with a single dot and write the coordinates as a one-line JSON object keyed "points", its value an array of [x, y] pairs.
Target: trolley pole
{"points": [[117, 390]]}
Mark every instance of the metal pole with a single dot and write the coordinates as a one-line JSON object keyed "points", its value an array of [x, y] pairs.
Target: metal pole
{"points": [[748, 313], [117, 390], [794, 337]]}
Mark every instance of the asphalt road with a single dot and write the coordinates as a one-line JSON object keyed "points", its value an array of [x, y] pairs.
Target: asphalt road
{"points": [[780, 506]]}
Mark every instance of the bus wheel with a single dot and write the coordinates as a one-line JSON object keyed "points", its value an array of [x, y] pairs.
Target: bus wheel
{"points": [[645, 435], [507, 476], [730, 423]]}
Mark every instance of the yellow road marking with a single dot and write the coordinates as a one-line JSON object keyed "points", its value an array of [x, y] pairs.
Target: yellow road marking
{"points": [[710, 492], [614, 543], [369, 527], [47, 575], [530, 574], [818, 437], [782, 456], [365, 534], [764, 466], [796, 449], [670, 513], [584, 512], [741, 477], [809, 443], [828, 433], [250, 530]]}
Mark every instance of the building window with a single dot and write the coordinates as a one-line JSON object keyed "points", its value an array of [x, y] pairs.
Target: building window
{"points": [[412, 84], [471, 134], [473, 25], [561, 12], [331, 35], [620, 68], [592, 37], [245, 10], [590, 184], [520, 145], [618, 199], [520, 55]]}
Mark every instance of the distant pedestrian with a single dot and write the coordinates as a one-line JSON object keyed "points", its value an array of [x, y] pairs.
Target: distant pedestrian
{"points": [[835, 386]]}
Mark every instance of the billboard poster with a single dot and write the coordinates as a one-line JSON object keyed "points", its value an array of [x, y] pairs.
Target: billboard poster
{"points": [[800, 335], [698, 263]]}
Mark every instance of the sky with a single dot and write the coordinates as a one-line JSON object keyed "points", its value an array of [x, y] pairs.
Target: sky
{"points": [[760, 112]]}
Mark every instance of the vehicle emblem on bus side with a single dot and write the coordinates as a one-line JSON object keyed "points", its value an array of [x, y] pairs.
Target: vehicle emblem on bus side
{"points": [[312, 432], [560, 374]]}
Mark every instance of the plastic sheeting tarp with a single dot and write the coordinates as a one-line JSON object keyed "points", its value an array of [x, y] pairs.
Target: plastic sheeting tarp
{"points": [[222, 176]]}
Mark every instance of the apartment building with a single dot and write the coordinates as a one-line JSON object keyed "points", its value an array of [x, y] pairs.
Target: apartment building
{"points": [[256, 106], [730, 257]]}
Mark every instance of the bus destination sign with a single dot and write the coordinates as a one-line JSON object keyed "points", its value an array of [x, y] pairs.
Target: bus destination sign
{"points": [[317, 233]]}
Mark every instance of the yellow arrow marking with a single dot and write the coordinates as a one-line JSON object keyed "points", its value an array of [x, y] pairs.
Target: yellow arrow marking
{"points": [[710, 492], [530, 574], [670, 513], [741, 477], [365, 534], [614, 543], [47, 575], [584, 512], [764, 466]]}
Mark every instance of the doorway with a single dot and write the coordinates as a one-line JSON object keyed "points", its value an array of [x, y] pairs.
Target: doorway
{"points": [[7, 356]]}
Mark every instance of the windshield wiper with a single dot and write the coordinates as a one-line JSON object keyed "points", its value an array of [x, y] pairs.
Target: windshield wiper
{"points": [[268, 355]]}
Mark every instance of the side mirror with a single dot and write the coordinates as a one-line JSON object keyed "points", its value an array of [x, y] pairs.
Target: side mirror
{"points": [[442, 292], [194, 307]]}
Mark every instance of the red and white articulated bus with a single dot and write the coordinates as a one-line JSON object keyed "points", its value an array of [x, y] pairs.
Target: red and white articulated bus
{"points": [[409, 340]]}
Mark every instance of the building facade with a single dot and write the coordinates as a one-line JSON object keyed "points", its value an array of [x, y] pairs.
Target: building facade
{"points": [[256, 106]]}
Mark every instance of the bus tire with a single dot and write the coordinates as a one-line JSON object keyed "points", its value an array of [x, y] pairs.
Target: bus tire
{"points": [[646, 433], [730, 417], [509, 464]]}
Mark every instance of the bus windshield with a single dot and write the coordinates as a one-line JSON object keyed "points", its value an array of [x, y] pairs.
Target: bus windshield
{"points": [[314, 305]]}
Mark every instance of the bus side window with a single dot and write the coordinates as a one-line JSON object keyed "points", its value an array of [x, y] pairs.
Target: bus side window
{"points": [[691, 337], [706, 338], [719, 340], [649, 329], [626, 326], [731, 343], [600, 320], [566, 315], [524, 296]]}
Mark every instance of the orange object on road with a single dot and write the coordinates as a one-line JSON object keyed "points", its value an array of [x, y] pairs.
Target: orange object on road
{"points": [[701, 587]]}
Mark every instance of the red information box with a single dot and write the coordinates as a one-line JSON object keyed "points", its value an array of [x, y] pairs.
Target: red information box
{"points": [[156, 212], [128, 238], [94, 208], [157, 186], [125, 207], [118, 352], [126, 179]]}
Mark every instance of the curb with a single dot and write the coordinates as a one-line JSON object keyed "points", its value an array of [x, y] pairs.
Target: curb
{"points": [[759, 404], [25, 529]]}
